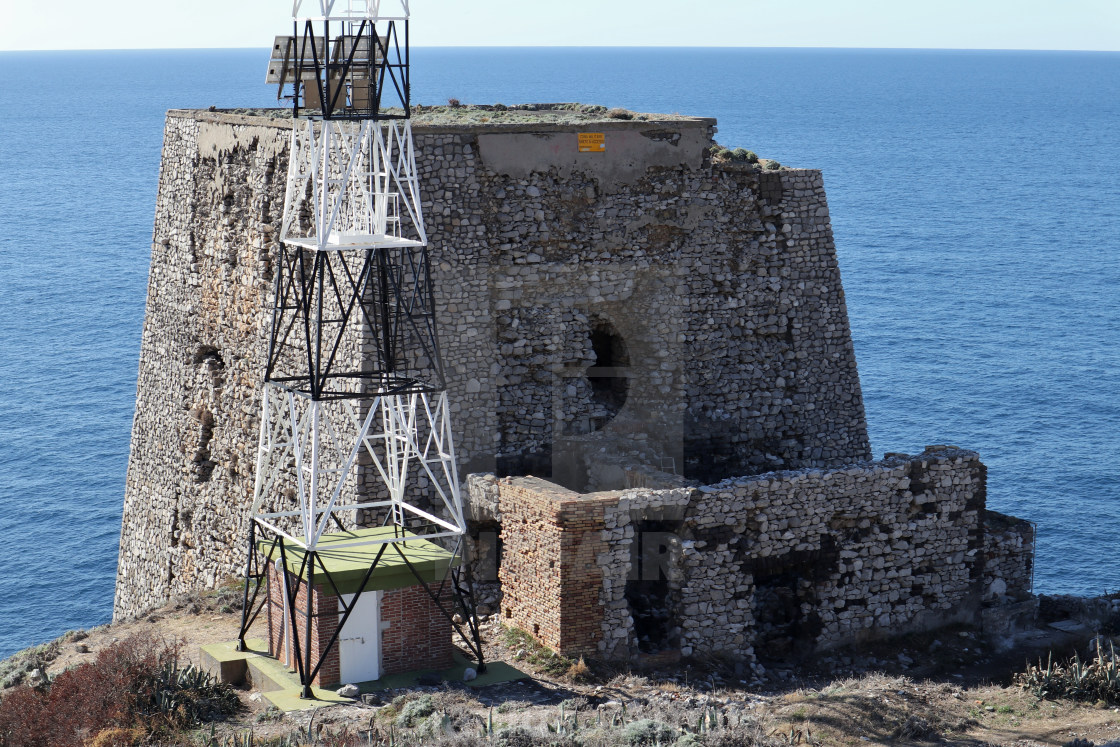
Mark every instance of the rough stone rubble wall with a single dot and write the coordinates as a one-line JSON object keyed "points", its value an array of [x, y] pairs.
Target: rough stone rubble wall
{"points": [[1009, 556], [723, 285], [617, 562], [885, 547], [192, 458], [879, 549], [722, 282]]}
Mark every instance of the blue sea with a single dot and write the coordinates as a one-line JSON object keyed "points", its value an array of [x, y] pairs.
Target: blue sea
{"points": [[975, 199]]}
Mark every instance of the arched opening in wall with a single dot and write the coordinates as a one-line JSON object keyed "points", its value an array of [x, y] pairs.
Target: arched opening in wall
{"points": [[609, 375], [649, 592]]}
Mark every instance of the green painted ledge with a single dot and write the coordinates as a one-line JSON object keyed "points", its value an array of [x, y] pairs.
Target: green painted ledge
{"points": [[348, 565]]}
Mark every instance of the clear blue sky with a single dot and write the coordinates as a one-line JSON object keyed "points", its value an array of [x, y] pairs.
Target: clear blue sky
{"points": [[962, 24]]}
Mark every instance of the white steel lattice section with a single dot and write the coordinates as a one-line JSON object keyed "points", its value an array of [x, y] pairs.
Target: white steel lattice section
{"points": [[348, 183], [320, 443], [374, 10]]}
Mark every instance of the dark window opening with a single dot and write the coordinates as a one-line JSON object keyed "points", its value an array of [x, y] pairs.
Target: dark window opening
{"points": [[777, 614], [486, 537], [782, 630], [651, 598], [785, 586], [207, 355], [202, 465], [608, 375]]}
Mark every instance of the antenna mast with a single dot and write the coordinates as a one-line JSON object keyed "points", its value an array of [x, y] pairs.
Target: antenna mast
{"points": [[355, 424]]}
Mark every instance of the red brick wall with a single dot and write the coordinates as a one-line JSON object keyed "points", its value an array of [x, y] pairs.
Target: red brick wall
{"points": [[531, 538], [550, 581], [324, 614], [419, 635], [581, 579]]}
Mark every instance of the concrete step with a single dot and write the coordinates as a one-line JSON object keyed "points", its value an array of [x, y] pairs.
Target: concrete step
{"points": [[268, 675], [279, 685], [226, 663]]}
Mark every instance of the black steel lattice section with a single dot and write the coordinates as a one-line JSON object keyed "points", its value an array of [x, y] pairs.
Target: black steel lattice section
{"points": [[361, 71], [349, 325]]}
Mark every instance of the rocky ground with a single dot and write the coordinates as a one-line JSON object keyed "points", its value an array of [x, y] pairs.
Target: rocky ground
{"points": [[949, 687]]}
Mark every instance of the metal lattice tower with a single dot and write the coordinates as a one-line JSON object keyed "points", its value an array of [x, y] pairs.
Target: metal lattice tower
{"points": [[354, 382]]}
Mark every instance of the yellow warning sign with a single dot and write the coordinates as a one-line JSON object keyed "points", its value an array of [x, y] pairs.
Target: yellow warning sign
{"points": [[592, 142]]}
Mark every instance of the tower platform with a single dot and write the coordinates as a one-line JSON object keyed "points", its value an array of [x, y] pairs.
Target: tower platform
{"points": [[348, 555], [354, 241]]}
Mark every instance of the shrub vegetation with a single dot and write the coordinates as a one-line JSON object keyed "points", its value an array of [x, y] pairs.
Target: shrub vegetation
{"points": [[134, 691], [1098, 679]]}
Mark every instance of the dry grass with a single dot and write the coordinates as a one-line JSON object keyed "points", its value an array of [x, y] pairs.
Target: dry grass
{"points": [[599, 706], [580, 673]]}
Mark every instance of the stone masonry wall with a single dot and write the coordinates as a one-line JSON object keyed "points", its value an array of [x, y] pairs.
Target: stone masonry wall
{"points": [[617, 563], [1008, 556], [786, 561], [716, 285], [191, 462], [878, 549]]}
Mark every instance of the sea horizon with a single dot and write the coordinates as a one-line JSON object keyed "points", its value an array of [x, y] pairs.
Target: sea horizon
{"points": [[601, 46]]}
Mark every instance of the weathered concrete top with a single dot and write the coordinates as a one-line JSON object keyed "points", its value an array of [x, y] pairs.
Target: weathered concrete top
{"points": [[476, 118], [510, 139]]}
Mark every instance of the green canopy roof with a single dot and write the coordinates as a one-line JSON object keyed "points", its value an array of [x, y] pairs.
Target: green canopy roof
{"points": [[348, 565]]}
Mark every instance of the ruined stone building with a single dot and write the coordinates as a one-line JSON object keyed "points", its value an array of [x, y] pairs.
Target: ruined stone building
{"points": [[654, 382]]}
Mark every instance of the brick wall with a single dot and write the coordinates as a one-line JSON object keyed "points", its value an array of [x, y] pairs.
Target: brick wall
{"points": [[324, 614], [552, 539], [581, 579], [418, 635], [531, 540]]}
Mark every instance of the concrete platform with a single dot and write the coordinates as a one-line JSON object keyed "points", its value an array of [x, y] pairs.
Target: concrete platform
{"points": [[281, 687]]}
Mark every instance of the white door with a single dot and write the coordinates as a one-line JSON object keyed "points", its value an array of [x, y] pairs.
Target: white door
{"points": [[359, 644]]}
